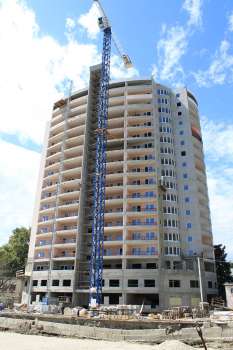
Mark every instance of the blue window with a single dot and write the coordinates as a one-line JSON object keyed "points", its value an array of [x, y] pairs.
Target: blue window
{"points": [[189, 225], [188, 212], [186, 187], [150, 221], [150, 235], [136, 222], [180, 122], [40, 254], [190, 238], [184, 164], [182, 143], [136, 235], [187, 199], [185, 176], [181, 132]]}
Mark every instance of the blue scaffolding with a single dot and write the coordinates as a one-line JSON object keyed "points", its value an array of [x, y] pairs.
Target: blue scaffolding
{"points": [[96, 263]]}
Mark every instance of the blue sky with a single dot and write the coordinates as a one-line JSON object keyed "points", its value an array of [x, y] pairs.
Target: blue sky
{"points": [[45, 43]]}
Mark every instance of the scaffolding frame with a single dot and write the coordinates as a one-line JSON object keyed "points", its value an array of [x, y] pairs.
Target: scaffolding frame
{"points": [[96, 262]]}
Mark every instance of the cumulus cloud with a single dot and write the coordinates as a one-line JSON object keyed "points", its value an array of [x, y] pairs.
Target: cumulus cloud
{"points": [[89, 22], [171, 47], [194, 9], [173, 44], [219, 159], [18, 176], [220, 70], [35, 68]]}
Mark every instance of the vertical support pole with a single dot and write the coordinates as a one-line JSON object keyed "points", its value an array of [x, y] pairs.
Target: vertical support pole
{"points": [[200, 280]]}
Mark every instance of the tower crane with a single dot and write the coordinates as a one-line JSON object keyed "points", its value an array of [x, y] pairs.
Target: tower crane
{"points": [[96, 263]]}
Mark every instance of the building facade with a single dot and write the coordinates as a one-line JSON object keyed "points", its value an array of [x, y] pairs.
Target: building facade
{"points": [[157, 219]]}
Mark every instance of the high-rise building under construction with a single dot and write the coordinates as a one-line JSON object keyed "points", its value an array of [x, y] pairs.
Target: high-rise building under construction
{"points": [[158, 247]]}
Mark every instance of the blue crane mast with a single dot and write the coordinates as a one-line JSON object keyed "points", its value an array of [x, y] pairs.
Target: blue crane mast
{"points": [[96, 263]]}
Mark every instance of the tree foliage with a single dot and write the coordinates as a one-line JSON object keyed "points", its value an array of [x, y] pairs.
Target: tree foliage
{"points": [[13, 255], [223, 268]]}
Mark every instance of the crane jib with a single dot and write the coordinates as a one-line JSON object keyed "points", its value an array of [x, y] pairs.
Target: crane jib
{"points": [[96, 263]]}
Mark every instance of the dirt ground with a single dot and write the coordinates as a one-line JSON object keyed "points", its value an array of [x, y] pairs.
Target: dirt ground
{"points": [[14, 341]]}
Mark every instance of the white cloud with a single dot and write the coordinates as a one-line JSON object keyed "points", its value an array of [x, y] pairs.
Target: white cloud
{"points": [[230, 22], [170, 50], [70, 24], [118, 70], [220, 70], [173, 45], [18, 176], [193, 7], [35, 67], [89, 21], [219, 157]]}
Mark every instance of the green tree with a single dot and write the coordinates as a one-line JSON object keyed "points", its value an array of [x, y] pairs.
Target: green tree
{"points": [[223, 269], [13, 255]]}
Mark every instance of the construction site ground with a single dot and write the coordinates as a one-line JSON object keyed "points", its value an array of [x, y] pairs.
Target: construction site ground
{"points": [[81, 333]]}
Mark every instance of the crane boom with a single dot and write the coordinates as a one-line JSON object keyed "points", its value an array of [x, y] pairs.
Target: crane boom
{"points": [[106, 23], [96, 263]]}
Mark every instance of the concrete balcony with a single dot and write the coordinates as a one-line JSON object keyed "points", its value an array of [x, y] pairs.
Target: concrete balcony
{"points": [[132, 120], [114, 229], [76, 172], [73, 151], [139, 242], [52, 167], [69, 195], [140, 200], [65, 257], [64, 245], [116, 100], [112, 215], [143, 225], [70, 205], [41, 259], [56, 138], [54, 155], [113, 177], [71, 162], [71, 184], [44, 235], [116, 123], [48, 210], [69, 230], [43, 245], [139, 98], [109, 203], [45, 199], [139, 107], [116, 133], [67, 219], [51, 176], [133, 152], [114, 111], [45, 222], [132, 163], [49, 188], [112, 243]]}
